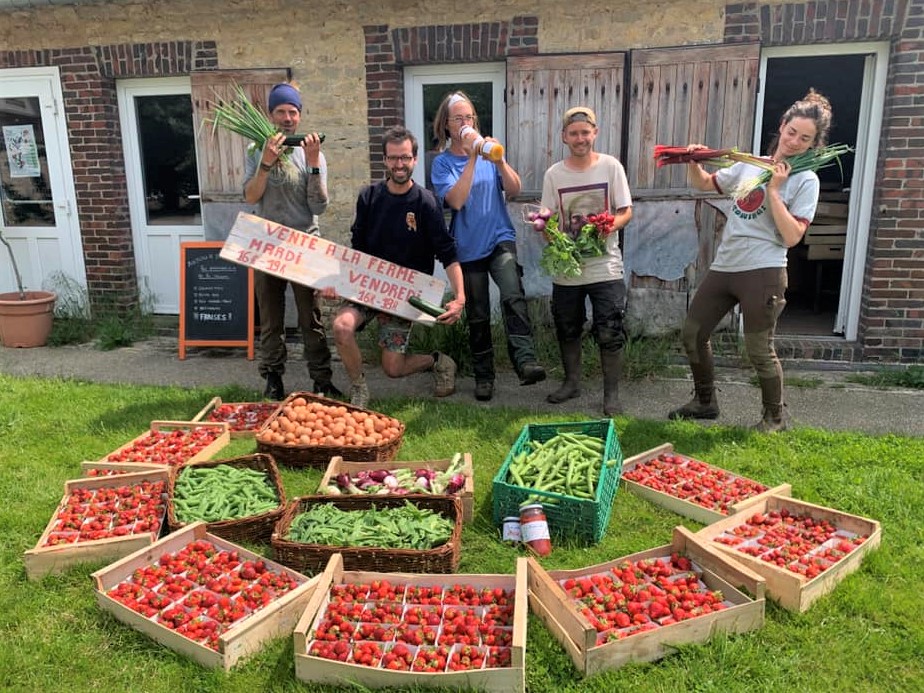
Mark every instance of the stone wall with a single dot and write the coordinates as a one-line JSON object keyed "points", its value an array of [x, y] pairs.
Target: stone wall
{"points": [[348, 57]]}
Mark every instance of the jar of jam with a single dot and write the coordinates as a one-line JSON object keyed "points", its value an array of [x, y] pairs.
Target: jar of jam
{"points": [[510, 532], [534, 529]]}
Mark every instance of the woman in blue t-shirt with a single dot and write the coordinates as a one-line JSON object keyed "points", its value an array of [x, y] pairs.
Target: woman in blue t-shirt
{"points": [[474, 188]]}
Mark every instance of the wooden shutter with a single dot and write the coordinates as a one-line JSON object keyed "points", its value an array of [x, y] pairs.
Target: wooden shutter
{"points": [[540, 89], [704, 94], [221, 153]]}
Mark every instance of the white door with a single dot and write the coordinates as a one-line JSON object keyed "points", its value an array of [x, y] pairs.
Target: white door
{"points": [[862, 185], [424, 89], [158, 137], [37, 201]]}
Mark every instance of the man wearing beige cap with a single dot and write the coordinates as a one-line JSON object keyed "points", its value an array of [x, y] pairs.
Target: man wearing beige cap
{"points": [[585, 184]]}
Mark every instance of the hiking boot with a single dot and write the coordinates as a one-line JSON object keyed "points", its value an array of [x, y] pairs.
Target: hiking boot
{"points": [[773, 421], [531, 373], [703, 406], [444, 375], [327, 389], [359, 394], [484, 390], [274, 387]]}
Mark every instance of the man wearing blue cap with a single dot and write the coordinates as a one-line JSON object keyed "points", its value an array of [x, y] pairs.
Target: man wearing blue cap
{"points": [[289, 186]]}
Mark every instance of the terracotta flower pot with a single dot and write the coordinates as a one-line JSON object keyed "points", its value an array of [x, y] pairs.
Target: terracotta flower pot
{"points": [[26, 323]]}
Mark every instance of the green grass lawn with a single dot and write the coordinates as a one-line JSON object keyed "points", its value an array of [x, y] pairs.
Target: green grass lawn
{"points": [[865, 636]]}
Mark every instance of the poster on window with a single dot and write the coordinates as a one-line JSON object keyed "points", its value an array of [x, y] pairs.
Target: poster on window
{"points": [[21, 151]]}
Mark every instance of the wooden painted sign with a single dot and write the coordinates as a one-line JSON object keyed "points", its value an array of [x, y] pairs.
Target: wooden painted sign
{"points": [[216, 299], [316, 262]]}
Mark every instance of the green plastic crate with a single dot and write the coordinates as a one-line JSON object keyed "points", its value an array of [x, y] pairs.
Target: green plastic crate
{"points": [[569, 517]]}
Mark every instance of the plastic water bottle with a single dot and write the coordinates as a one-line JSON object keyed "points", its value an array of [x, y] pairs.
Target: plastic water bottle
{"points": [[492, 151]]}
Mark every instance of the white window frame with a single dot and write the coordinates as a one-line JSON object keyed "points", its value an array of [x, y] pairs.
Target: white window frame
{"points": [[417, 76], [872, 103]]}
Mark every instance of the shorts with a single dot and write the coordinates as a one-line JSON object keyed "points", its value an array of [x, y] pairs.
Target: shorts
{"points": [[394, 332]]}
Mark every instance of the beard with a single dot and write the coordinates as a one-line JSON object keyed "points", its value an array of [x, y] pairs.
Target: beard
{"points": [[400, 176]]}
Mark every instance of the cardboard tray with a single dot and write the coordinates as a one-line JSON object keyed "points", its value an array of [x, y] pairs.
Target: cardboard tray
{"points": [[216, 402], [244, 638], [792, 590], [319, 670], [683, 507], [549, 601], [43, 560], [338, 465], [221, 441]]}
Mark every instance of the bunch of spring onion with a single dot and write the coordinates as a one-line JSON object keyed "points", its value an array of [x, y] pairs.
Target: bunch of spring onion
{"points": [[811, 160], [249, 121]]}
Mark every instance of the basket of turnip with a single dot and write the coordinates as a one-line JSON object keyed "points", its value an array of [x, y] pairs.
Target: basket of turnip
{"points": [[452, 477]]}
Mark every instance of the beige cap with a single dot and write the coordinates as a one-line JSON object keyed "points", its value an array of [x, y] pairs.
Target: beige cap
{"points": [[579, 113]]}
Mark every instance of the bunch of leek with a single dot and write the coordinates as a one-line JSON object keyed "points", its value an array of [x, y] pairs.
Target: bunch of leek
{"points": [[249, 121]]}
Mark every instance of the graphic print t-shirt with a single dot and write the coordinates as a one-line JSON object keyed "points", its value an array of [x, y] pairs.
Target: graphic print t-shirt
{"points": [[750, 239], [577, 194]]}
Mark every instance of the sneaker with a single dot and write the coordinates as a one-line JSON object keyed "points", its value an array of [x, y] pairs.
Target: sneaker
{"points": [[531, 373], [327, 389], [359, 394], [274, 387], [444, 375], [484, 390]]}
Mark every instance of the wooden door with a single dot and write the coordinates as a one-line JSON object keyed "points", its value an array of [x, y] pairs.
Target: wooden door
{"points": [[221, 153], [541, 88], [703, 94]]}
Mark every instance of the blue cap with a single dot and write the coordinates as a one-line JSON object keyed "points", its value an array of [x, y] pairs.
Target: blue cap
{"points": [[284, 93]]}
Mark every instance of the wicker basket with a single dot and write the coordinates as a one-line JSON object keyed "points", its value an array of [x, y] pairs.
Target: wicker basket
{"points": [[311, 558], [318, 456], [255, 528]]}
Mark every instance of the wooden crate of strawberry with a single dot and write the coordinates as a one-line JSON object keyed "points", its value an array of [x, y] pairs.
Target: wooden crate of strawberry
{"points": [[690, 487], [95, 468], [101, 519], [637, 608], [204, 597], [244, 419], [381, 630], [173, 443], [802, 550], [453, 476]]}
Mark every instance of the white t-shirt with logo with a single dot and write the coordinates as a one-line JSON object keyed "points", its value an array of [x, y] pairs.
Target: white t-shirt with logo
{"points": [[750, 239], [576, 194]]}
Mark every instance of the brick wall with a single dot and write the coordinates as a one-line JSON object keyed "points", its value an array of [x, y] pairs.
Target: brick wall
{"points": [[91, 111], [389, 50], [891, 314]]}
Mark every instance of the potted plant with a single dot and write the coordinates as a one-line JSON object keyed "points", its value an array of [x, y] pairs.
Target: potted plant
{"points": [[25, 316]]}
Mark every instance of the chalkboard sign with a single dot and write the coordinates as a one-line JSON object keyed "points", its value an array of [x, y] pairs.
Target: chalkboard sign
{"points": [[216, 299]]}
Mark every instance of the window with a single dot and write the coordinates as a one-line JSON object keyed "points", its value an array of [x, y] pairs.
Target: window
{"points": [[424, 89]]}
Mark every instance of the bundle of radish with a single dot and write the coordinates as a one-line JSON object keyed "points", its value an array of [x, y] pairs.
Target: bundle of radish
{"points": [[811, 160], [401, 481], [563, 254]]}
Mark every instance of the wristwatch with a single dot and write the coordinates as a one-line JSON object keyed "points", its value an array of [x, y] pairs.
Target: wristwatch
{"points": [[314, 170]]}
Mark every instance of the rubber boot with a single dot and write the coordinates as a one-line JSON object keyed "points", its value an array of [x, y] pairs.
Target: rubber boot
{"points": [[571, 360], [704, 404], [774, 415], [611, 361]]}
